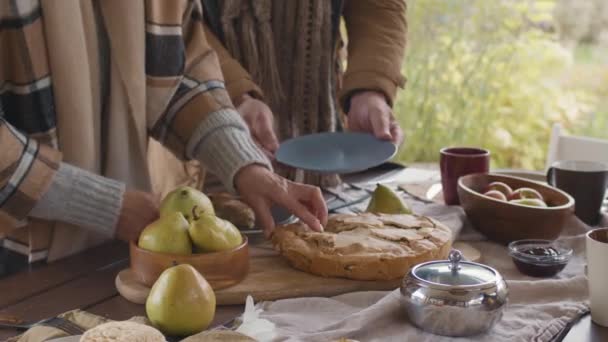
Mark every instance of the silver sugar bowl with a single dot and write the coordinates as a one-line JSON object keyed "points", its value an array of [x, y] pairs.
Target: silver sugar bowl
{"points": [[454, 297]]}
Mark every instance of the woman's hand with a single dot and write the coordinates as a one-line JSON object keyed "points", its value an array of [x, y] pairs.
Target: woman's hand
{"points": [[259, 119], [260, 188], [138, 210], [370, 113]]}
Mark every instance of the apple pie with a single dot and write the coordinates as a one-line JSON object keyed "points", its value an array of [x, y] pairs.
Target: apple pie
{"points": [[364, 246]]}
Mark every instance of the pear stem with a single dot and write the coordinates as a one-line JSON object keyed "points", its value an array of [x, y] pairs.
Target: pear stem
{"points": [[195, 216], [174, 262]]}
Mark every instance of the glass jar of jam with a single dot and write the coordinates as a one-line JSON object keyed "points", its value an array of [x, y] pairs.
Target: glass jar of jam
{"points": [[539, 258]]}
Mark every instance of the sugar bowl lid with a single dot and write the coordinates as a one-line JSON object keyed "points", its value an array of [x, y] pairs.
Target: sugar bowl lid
{"points": [[455, 273]]}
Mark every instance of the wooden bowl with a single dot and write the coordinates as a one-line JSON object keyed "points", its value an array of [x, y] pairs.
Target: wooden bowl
{"points": [[220, 269], [505, 222]]}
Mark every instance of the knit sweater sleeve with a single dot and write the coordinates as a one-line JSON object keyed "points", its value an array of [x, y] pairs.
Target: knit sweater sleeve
{"points": [[35, 183], [200, 121], [82, 198], [376, 47]]}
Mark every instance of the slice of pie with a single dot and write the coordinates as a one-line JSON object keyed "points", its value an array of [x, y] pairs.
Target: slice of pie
{"points": [[364, 246]]}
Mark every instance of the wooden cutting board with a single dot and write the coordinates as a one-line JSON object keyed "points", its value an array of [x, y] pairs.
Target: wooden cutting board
{"points": [[272, 278], [269, 278]]}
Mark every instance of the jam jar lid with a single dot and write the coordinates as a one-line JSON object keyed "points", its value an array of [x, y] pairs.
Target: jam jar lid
{"points": [[455, 273]]}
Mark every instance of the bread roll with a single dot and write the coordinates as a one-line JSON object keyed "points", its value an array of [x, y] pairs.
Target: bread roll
{"points": [[122, 332]]}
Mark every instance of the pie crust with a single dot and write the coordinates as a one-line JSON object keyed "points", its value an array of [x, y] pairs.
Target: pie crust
{"points": [[364, 246]]}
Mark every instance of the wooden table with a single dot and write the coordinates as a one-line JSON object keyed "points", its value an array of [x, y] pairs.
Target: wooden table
{"points": [[86, 281]]}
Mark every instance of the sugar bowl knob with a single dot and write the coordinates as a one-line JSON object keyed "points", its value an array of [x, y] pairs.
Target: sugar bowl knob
{"points": [[455, 257]]}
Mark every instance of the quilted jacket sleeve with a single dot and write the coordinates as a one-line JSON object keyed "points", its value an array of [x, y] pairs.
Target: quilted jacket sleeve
{"points": [[26, 171], [376, 47]]}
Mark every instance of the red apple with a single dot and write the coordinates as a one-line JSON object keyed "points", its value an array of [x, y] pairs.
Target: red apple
{"points": [[526, 193], [502, 187], [532, 202], [496, 195]]}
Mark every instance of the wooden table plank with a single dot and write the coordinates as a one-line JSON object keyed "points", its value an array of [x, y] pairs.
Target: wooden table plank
{"points": [[79, 293], [29, 283], [7, 333]]}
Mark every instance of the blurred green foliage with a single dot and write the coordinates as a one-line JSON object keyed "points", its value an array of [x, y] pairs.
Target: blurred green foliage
{"points": [[482, 73]]}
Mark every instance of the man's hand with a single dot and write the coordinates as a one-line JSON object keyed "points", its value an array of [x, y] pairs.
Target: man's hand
{"points": [[138, 210], [259, 118], [370, 113], [260, 188]]}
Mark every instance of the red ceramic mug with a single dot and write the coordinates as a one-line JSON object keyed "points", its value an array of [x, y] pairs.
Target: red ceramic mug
{"points": [[456, 162]]}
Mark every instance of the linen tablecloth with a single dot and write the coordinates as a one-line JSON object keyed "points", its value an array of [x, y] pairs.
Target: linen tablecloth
{"points": [[538, 309]]}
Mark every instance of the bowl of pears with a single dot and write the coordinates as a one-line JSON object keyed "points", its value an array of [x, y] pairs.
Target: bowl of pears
{"points": [[189, 232], [506, 208]]}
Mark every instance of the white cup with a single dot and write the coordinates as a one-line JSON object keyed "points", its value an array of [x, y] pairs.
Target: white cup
{"points": [[597, 273]]}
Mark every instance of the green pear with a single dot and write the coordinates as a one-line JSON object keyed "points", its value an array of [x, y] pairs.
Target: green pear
{"points": [[185, 200], [531, 202], [386, 201], [212, 234], [181, 302], [168, 234]]}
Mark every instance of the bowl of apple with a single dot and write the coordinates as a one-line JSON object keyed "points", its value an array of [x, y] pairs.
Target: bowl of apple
{"points": [[506, 208], [189, 232]]}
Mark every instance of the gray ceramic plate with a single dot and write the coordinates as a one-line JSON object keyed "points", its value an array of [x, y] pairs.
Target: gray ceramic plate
{"points": [[340, 152]]}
